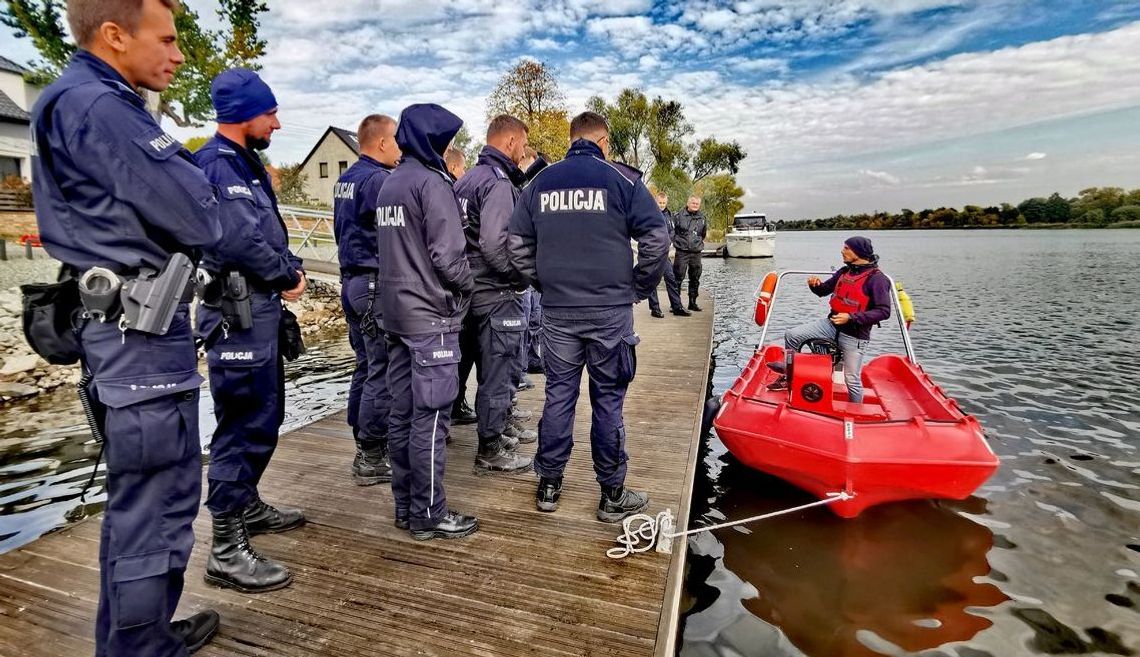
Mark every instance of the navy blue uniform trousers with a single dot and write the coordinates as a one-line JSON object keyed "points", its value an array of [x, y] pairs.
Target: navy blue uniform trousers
{"points": [[368, 400], [502, 326], [154, 482], [531, 350], [671, 288], [602, 341], [247, 381], [423, 378]]}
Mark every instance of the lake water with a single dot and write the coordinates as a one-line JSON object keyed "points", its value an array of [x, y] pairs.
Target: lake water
{"points": [[1035, 333]]}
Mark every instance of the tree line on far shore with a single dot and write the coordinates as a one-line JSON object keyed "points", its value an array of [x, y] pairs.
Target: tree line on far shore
{"points": [[1095, 207]]}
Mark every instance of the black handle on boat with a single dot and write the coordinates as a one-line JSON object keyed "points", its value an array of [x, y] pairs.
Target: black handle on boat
{"points": [[798, 272]]}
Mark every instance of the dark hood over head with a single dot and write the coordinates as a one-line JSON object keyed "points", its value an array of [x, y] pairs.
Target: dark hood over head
{"points": [[425, 132]]}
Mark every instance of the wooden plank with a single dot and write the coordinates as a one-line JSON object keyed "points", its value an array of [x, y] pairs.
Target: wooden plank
{"points": [[528, 583]]}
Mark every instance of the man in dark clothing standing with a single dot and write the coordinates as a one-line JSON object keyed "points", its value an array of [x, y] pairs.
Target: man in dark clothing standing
{"points": [[354, 224], [425, 286], [488, 193], [860, 298], [112, 190], [689, 228], [570, 235], [671, 287], [247, 369]]}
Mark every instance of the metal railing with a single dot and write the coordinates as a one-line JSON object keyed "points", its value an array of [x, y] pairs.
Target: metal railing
{"points": [[896, 309], [311, 235]]}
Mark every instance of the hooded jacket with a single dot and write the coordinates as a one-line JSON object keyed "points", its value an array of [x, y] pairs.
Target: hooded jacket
{"points": [[488, 193], [424, 279], [571, 228]]}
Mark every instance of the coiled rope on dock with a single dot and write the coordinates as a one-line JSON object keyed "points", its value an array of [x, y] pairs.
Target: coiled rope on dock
{"points": [[642, 532]]}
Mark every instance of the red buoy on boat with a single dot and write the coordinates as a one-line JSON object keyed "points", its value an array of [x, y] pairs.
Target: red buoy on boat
{"points": [[906, 440]]}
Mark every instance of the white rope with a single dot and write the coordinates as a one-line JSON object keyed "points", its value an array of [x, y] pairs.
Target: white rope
{"points": [[650, 531]]}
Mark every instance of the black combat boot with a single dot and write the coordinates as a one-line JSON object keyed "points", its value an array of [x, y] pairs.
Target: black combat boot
{"points": [[197, 630], [681, 312], [494, 456], [234, 564], [401, 519], [462, 413], [371, 465], [546, 497], [261, 518], [656, 312], [453, 525], [516, 431], [693, 305], [619, 502]]}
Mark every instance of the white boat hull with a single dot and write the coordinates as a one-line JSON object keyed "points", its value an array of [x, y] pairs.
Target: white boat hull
{"points": [[750, 244]]}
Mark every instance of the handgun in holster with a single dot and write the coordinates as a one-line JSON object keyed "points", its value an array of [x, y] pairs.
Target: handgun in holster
{"points": [[236, 306]]}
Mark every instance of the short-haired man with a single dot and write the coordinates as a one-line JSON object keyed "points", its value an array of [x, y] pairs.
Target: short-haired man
{"points": [[354, 224], [488, 193], [456, 162], [689, 230], [425, 286], [570, 236], [113, 190], [671, 287], [246, 366]]}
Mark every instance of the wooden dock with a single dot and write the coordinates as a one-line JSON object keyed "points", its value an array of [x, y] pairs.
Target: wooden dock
{"points": [[528, 583]]}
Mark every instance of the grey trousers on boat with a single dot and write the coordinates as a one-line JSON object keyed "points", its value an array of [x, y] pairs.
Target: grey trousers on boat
{"points": [[853, 350]]}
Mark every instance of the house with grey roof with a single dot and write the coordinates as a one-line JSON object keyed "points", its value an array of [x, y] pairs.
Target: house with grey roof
{"points": [[334, 152], [16, 100]]}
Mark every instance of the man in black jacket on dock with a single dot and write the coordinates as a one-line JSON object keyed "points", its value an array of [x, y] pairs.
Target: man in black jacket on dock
{"points": [[690, 228]]}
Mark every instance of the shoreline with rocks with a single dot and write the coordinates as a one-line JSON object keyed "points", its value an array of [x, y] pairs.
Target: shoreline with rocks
{"points": [[25, 375]]}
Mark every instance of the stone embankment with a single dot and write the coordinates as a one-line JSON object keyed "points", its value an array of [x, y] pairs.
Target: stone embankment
{"points": [[23, 374]]}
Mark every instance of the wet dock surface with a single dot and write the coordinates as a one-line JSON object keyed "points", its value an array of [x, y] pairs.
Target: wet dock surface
{"points": [[528, 583]]}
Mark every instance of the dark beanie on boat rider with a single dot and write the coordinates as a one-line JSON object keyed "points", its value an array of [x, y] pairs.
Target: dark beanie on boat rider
{"points": [[861, 246]]}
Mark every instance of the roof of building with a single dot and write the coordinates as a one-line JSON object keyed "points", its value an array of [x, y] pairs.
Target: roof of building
{"points": [[347, 136], [10, 112], [11, 66]]}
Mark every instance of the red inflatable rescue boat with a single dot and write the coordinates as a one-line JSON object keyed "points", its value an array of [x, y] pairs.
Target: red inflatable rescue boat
{"points": [[907, 440]]}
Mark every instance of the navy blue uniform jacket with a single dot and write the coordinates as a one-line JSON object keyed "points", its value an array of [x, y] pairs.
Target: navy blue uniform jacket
{"points": [[112, 189], [571, 231], [425, 280], [255, 240], [488, 193], [354, 214]]}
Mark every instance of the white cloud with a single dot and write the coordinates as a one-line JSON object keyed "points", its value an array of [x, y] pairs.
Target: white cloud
{"points": [[881, 176], [1036, 156]]}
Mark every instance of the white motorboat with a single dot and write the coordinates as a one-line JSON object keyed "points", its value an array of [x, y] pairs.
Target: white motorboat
{"points": [[751, 237]]}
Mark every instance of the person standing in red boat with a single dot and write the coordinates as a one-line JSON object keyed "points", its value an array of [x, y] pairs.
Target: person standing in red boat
{"points": [[860, 298]]}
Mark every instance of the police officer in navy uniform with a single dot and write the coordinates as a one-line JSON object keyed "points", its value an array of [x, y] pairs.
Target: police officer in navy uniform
{"points": [[354, 224], [425, 287], [488, 193], [689, 230], [671, 287], [113, 190], [246, 366], [570, 235]]}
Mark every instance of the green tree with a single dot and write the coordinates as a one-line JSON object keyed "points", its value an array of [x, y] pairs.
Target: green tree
{"points": [[530, 92], [1057, 209], [1095, 217], [1125, 213], [194, 143], [667, 132], [712, 156], [292, 185], [467, 145], [208, 52], [1033, 210], [721, 202], [1105, 199]]}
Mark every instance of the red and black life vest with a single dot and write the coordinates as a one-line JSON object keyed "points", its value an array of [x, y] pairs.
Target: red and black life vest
{"points": [[849, 296]]}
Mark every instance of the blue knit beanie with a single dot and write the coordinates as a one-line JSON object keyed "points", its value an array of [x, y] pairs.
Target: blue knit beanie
{"points": [[861, 246], [240, 95]]}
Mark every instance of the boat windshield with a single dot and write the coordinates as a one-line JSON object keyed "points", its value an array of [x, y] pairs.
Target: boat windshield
{"points": [[747, 221]]}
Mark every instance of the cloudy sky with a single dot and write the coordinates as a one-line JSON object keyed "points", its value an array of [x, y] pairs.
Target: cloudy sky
{"points": [[842, 105]]}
